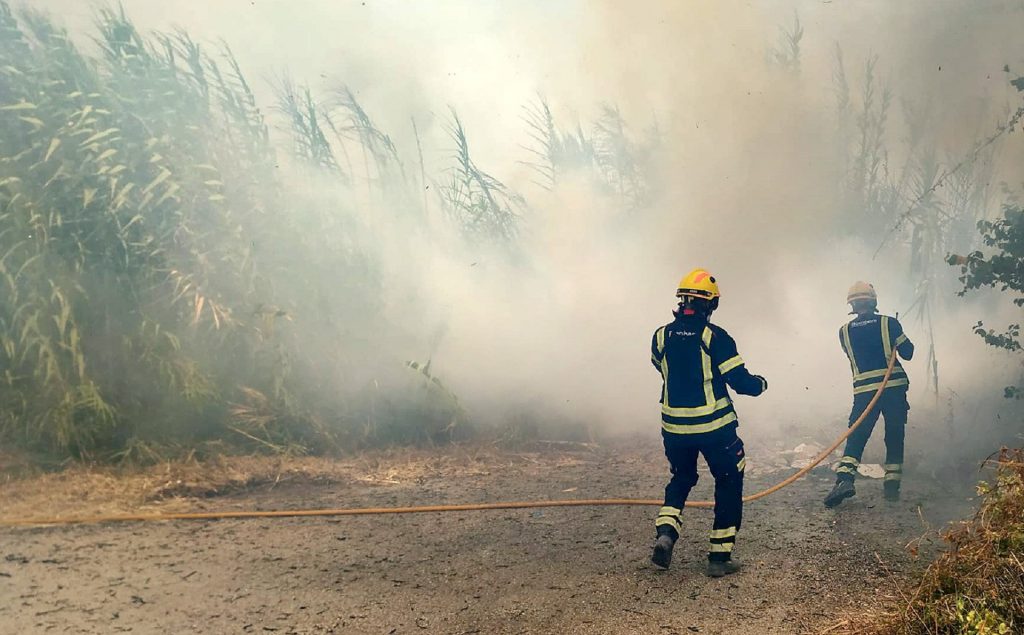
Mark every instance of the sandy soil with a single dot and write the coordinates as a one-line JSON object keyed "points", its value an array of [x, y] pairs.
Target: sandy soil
{"points": [[560, 570]]}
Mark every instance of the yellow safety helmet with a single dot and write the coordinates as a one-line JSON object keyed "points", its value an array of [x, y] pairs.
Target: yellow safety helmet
{"points": [[698, 284], [861, 291]]}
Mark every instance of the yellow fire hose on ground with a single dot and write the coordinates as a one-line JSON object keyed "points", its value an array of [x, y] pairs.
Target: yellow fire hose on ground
{"points": [[366, 511]]}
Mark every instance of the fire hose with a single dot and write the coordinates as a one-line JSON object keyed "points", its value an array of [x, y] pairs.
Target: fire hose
{"points": [[366, 511]]}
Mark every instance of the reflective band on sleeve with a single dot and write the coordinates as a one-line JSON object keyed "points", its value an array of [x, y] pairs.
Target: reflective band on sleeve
{"points": [[725, 547], [742, 464], [729, 364], [728, 532], [682, 428], [893, 476], [901, 339], [661, 340]]}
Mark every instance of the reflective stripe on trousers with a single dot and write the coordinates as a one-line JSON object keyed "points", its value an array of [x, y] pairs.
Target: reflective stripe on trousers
{"points": [[893, 407], [724, 453]]}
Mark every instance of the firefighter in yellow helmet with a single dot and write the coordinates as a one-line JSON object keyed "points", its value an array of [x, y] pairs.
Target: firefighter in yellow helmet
{"points": [[868, 341], [697, 361]]}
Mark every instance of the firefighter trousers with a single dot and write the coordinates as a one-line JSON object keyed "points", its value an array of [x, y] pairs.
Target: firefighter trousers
{"points": [[723, 451], [893, 407]]}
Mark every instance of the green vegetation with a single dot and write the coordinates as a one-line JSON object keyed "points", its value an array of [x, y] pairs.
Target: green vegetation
{"points": [[150, 292], [184, 269], [977, 586], [1003, 269]]}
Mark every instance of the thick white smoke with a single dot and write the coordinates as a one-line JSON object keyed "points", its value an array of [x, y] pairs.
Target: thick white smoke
{"points": [[745, 183]]}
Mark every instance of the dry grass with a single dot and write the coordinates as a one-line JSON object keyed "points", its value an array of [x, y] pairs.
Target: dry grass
{"points": [[977, 586], [80, 489]]}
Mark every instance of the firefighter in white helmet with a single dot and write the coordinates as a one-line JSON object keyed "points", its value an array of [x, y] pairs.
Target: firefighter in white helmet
{"points": [[868, 341], [697, 361]]}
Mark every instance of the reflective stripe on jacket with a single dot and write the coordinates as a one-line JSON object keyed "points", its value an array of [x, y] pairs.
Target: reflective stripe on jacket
{"points": [[697, 360], [868, 341]]}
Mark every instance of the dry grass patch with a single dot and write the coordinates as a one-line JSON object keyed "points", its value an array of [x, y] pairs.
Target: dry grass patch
{"points": [[977, 586], [86, 490]]}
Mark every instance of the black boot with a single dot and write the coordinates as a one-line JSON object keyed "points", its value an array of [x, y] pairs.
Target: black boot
{"points": [[719, 568], [843, 490], [892, 490], [662, 555]]}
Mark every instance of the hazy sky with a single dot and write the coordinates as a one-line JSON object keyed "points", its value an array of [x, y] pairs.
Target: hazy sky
{"points": [[488, 58]]}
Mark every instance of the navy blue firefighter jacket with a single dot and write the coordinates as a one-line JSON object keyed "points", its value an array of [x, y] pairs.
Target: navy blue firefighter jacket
{"points": [[868, 341], [697, 360]]}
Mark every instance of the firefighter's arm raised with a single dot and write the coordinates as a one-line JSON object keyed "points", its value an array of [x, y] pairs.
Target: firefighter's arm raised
{"points": [[729, 363], [903, 345]]}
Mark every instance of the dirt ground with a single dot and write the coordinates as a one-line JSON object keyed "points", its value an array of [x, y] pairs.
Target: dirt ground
{"points": [[554, 570]]}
